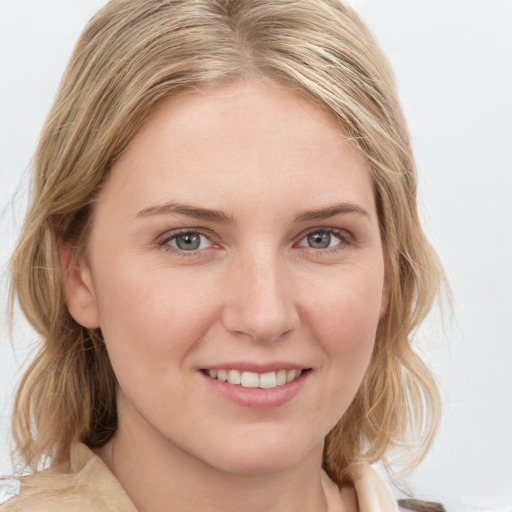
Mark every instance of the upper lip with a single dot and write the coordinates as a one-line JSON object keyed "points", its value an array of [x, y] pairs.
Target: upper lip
{"points": [[247, 366]]}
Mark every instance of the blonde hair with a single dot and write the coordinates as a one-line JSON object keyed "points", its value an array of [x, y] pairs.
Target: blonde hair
{"points": [[132, 54]]}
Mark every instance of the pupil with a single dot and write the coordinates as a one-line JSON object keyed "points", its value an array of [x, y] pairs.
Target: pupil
{"points": [[188, 241], [319, 240]]}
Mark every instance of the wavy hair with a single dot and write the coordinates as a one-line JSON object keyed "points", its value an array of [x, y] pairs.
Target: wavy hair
{"points": [[132, 54]]}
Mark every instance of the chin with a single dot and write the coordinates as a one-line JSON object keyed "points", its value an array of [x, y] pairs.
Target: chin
{"points": [[266, 456]]}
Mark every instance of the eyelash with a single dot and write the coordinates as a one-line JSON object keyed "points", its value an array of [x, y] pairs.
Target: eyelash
{"points": [[345, 240], [163, 243]]}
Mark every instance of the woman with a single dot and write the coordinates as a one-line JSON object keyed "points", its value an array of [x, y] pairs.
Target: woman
{"points": [[224, 260]]}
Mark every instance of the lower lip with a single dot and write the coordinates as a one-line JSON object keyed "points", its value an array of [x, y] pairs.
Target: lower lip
{"points": [[258, 398]]}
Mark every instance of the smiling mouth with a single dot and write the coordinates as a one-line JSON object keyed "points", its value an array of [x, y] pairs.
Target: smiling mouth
{"points": [[246, 379]]}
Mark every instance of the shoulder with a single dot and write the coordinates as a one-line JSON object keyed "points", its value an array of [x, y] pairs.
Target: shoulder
{"points": [[9, 488], [368, 492], [372, 491], [86, 484]]}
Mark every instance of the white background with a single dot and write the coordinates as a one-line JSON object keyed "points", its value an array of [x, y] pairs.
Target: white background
{"points": [[453, 60]]}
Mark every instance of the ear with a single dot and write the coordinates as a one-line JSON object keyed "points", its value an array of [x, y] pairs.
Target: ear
{"points": [[78, 289]]}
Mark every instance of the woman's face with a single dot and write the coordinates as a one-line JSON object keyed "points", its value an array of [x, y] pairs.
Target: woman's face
{"points": [[237, 237]]}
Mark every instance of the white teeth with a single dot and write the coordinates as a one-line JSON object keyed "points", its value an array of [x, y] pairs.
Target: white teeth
{"points": [[290, 375], [250, 380], [234, 377], [267, 380]]}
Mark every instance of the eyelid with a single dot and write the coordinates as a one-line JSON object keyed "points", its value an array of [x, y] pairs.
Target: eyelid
{"points": [[339, 232], [163, 240], [346, 239]]}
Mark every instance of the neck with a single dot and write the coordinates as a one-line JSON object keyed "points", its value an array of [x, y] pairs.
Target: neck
{"points": [[158, 476]]}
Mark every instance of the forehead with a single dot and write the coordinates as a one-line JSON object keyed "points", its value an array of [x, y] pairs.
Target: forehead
{"points": [[240, 141]]}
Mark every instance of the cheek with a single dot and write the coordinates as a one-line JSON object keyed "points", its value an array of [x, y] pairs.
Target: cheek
{"points": [[344, 315], [150, 317], [348, 301]]}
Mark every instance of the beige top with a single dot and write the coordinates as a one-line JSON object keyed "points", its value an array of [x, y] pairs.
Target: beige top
{"points": [[89, 486]]}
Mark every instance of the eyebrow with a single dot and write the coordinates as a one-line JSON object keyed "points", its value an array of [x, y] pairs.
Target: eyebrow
{"points": [[211, 215], [188, 210], [331, 211]]}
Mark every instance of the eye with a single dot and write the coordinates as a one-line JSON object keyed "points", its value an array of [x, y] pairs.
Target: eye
{"points": [[188, 241], [321, 239]]}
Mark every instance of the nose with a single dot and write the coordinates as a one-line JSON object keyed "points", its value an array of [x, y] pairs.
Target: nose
{"points": [[259, 299]]}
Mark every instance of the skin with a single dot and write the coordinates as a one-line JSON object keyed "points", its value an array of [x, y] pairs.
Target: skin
{"points": [[255, 291]]}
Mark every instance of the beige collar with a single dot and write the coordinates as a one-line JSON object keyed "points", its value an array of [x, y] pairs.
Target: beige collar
{"points": [[86, 484]]}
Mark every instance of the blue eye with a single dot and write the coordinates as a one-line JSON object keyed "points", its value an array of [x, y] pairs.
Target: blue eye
{"points": [[321, 239], [189, 241]]}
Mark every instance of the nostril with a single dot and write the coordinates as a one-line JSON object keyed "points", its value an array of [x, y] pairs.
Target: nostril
{"points": [[259, 303], [260, 324]]}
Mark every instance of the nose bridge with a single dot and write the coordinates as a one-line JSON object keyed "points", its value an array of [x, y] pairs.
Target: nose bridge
{"points": [[259, 302]]}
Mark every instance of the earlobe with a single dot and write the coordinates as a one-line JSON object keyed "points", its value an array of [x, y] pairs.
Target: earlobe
{"points": [[78, 289]]}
